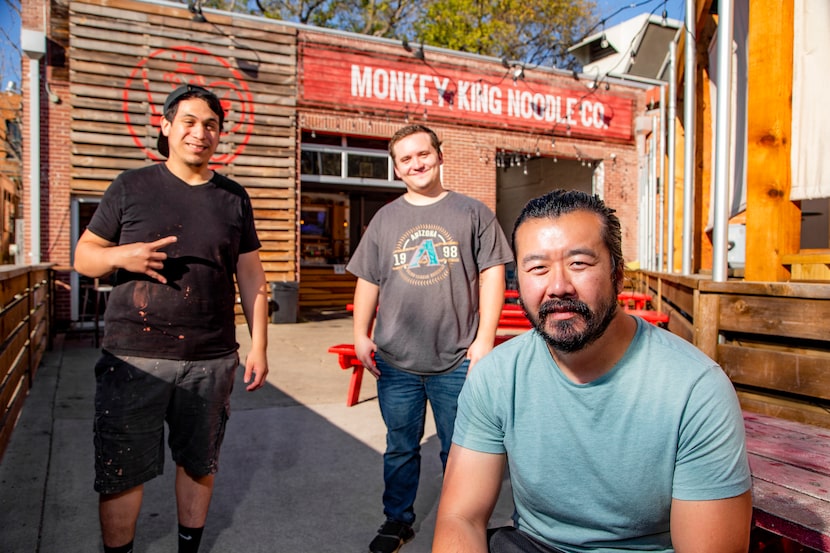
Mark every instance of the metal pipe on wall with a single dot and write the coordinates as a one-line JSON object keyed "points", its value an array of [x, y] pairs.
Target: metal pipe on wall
{"points": [[689, 99], [34, 46], [723, 141], [652, 194], [672, 145], [661, 183]]}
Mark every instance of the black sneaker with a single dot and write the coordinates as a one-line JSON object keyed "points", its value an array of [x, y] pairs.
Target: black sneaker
{"points": [[391, 536]]}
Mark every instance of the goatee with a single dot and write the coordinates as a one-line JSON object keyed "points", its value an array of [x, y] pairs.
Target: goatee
{"points": [[565, 336]]}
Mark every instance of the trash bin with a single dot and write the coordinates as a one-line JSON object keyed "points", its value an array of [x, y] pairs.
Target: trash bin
{"points": [[284, 296]]}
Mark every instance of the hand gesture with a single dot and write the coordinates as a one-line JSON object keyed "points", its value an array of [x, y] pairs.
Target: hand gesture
{"points": [[145, 257]]}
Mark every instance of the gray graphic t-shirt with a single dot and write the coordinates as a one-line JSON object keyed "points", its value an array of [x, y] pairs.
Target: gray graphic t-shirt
{"points": [[426, 261]]}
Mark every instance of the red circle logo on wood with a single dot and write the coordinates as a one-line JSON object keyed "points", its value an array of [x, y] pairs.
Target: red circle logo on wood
{"points": [[181, 65]]}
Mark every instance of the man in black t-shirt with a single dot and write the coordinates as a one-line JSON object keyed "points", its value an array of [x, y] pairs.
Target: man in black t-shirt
{"points": [[175, 234]]}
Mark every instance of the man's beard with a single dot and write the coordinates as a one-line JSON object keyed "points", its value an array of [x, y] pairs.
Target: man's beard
{"points": [[566, 337]]}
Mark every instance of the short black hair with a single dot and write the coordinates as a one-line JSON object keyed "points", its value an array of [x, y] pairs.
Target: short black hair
{"points": [[559, 202], [171, 106]]}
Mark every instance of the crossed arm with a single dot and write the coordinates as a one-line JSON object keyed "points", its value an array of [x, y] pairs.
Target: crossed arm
{"points": [[471, 487]]}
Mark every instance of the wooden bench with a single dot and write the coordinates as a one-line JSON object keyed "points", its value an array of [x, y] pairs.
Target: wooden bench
{"points": [[773, 341], [790, 465]]}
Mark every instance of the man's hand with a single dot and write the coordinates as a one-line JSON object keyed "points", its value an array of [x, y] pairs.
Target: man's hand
{"points": [[478, 349], [364, 349], [145, 257], [96, 257], [256, 369]]}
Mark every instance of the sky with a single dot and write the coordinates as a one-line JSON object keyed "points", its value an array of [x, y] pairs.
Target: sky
{"points": [[614, 11], [626, 9], [9, 36]]}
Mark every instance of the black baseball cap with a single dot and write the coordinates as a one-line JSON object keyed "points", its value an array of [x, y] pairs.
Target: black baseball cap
{"points": [[184, 92]]}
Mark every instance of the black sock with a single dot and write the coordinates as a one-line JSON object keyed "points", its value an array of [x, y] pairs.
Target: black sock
{"points": [[189, 539], [120, 549]]}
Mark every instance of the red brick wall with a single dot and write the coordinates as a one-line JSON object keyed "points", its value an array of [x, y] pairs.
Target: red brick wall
{"points": [[55, 150], [469, 151]]}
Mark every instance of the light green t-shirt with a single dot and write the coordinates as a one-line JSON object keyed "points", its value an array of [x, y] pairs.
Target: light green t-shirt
{"points": [[594, 467]]}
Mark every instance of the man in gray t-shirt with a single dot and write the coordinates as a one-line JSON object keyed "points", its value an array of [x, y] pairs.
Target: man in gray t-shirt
{"points": [[431, 267]]}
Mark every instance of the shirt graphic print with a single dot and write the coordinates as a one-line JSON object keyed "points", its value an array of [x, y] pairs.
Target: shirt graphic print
{"points": [[423, 255]]}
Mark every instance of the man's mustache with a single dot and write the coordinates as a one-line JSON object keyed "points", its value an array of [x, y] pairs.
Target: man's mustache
{"points": [[564, 306]]}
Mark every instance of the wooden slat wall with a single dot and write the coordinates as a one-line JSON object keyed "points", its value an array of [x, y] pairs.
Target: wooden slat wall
{"points": [[25, 300], [322, 287], [772, 339], [110, 39]]}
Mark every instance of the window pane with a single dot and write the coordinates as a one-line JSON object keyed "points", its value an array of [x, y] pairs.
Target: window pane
{"points": [[368, 167], [320, 163], [330, 164], [308, 163], [318, 138], [367, 143]]}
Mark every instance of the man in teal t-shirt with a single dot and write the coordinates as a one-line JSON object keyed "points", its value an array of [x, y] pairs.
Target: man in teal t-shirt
{"points": [[618, 435]]}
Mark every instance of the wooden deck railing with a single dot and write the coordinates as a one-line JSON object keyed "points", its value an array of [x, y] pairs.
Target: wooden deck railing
{"points": [[25, 333], [771, 338]]}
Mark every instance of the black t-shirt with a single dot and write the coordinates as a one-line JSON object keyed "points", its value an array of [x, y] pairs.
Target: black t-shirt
{"points": [[192, 316]]}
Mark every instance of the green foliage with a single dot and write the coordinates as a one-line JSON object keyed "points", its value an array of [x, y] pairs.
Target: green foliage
{"points": [[529, 31]]}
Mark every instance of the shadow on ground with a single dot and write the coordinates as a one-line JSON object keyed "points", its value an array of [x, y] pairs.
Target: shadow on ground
{"points": [[299, 470]]}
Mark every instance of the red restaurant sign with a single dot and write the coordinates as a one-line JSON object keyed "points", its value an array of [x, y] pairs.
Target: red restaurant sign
{"points": [[389, 84]]}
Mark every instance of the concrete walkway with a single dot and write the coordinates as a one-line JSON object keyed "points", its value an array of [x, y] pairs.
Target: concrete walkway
{"points": [[300, 471]]}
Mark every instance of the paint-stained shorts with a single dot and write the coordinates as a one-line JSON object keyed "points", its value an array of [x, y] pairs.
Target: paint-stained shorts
{"points": [[134, 396]]}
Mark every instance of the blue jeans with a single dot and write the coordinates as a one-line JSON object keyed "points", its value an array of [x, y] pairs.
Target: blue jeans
{"points": [[402, 397]]}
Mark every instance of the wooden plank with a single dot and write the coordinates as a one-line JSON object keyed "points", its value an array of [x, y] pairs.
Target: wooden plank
{"points": [[706, 325], [790, 465], [773, 221], [796, 517], [788, 429], [680, 296], [794, 373], [807, 256], [704, 146], [789, 408], [813, 272], [680, 326], [789, 477], [767, 289], [11, 413], [777, 447], [781, 317]]}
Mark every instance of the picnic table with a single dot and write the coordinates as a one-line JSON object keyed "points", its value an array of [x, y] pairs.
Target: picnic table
{"points": [[790, 464]]}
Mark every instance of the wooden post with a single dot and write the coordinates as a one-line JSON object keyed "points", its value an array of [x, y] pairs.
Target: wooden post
{"points": [[704, 146], [773, 222], [707, 309]]}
